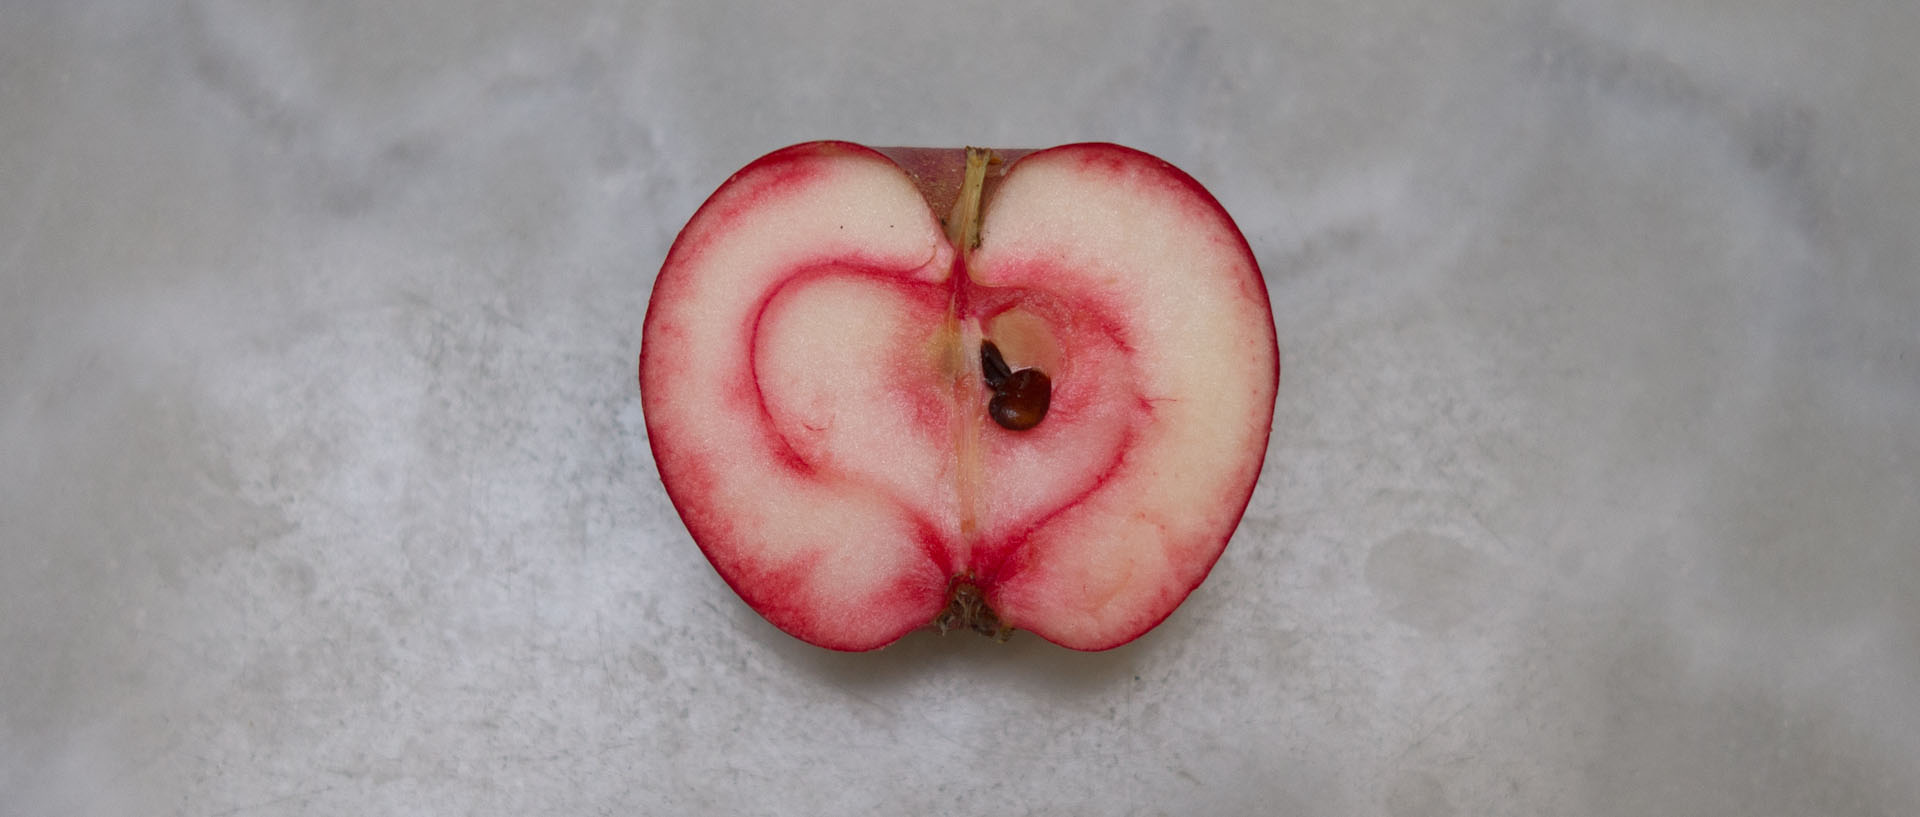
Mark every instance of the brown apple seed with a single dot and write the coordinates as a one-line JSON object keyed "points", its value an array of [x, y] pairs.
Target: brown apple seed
{"points": [[993, 367], [1021, 403]]}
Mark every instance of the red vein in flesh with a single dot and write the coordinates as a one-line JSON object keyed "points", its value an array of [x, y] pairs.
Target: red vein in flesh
{"points": [[779, 443]]}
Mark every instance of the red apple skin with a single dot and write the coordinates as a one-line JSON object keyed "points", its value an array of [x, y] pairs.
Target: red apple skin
{"points": [[1017, 569]]}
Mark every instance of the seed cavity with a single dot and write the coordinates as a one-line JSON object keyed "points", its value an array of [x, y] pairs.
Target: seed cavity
{"points": [[1020, 398]]}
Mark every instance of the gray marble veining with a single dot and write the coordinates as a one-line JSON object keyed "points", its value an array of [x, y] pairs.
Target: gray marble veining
{"points": [[326, 488]]}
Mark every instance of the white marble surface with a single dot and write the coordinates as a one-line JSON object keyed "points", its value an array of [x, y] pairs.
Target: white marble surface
{"points": [[326, 490]]}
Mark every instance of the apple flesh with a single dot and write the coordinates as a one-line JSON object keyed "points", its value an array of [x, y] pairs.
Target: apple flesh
{"points": [[828, 372]]}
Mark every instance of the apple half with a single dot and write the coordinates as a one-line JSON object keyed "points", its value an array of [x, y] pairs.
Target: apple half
{"points": [[888, 389]]}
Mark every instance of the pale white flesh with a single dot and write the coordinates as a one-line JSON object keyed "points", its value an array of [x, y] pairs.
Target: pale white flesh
{"points": [[814, 399]]}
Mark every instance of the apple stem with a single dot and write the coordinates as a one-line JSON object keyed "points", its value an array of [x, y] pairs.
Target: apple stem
{"points": [[963, 225]]}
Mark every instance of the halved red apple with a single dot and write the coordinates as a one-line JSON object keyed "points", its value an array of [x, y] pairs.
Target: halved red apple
{"points": [[888, 389]]}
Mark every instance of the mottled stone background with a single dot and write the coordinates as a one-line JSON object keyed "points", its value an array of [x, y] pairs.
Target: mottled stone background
{"points": [[325, 488]]}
